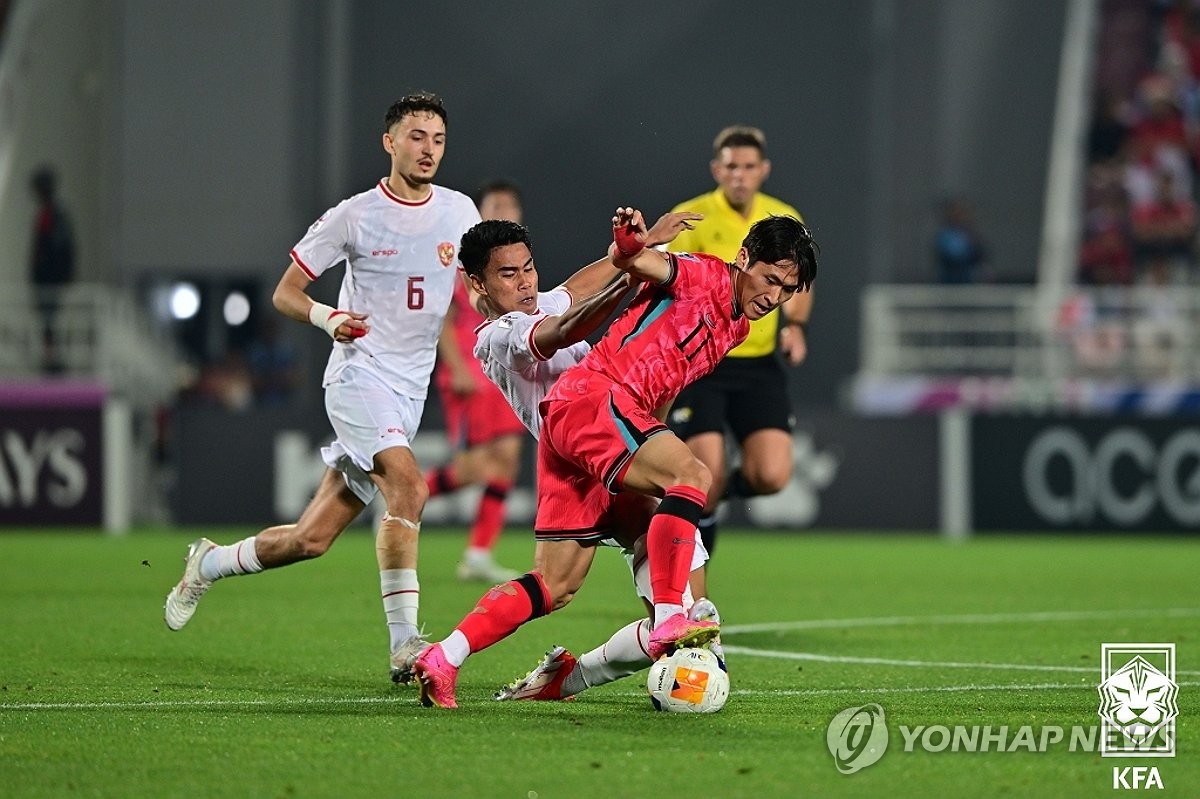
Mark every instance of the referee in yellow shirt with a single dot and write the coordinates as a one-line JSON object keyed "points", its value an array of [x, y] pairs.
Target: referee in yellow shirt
{"points": [[747, 393]]}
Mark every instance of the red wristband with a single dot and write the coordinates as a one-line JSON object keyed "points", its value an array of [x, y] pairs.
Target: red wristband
{"points": [[627, 242]]}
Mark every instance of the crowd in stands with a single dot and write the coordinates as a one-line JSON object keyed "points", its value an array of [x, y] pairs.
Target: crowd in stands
{"points": [[1143, 153], [1140, 222]]}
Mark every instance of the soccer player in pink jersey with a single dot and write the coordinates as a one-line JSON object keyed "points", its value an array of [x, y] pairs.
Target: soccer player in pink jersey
{"points": [[480, 425], [398, 241], [599, 434]]}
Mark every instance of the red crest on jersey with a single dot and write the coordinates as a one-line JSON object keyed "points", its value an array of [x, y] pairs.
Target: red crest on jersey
{"points": [[446, 253]]}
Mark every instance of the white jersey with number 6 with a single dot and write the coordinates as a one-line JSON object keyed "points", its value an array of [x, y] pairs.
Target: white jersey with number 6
{"points": [[400, 269], [506, 350]]}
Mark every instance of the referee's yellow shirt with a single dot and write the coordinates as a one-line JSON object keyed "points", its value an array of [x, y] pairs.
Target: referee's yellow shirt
{"points": [[720, 233]]}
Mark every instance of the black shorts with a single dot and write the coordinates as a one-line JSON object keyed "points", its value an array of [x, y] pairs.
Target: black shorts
{"points": [[744, 394]]}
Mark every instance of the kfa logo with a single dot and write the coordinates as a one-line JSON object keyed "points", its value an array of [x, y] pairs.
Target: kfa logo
{"points": [[1138, 700], [1166, 476], [1137, 777], [46, 466]]}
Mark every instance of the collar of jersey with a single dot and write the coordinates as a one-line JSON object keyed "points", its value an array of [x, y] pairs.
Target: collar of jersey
{"points": [[411, 203]]}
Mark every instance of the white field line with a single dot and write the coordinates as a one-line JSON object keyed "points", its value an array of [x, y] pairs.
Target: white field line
{"points": [[876, 621], [947, 664], [281, 704], [965, 618]]}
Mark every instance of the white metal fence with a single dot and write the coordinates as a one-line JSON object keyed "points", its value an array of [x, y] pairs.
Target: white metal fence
{"points": [[1143, 333], [91, 331]]}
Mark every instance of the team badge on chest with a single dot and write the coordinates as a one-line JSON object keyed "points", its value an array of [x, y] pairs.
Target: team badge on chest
{"points": [[446, 253]]}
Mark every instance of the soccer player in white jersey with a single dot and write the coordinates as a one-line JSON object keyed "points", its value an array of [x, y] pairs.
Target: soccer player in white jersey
{"points": [[528, 340], [398, 240]]}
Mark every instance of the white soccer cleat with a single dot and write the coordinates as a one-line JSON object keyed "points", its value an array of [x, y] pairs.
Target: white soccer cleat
{"points": [[182, 601], [545, 681], [485, 570], [703, 609], [405, 656]]}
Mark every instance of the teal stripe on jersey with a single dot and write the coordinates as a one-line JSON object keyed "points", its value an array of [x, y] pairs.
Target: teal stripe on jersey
{"points": [[651, 313], [631, 443]]}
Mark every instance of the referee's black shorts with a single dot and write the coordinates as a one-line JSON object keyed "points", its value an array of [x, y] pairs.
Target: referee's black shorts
{"points": [[745, 394]]}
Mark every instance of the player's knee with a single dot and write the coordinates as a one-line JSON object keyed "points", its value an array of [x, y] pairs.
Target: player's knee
{"points": [[407, 499], [768, 478], [692, 472], [558, 601], [561, 592]]}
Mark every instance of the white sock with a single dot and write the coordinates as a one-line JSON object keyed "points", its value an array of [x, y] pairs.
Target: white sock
{"points": [[477, 555], [239, 558], [621, 655], [456, 648], [401, 598], [664, 611]]}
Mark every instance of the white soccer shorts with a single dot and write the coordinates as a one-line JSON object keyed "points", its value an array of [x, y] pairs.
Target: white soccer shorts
{"points": [[367, 417]]}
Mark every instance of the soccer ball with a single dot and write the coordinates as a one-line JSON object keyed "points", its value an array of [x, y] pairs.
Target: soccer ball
{"points": [[688, 681]]}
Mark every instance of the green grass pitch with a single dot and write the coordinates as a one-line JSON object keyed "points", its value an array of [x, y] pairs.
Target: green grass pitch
{"points": [[278, 687]]}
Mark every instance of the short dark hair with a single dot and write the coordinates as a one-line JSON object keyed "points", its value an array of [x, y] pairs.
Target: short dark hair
{"points": [[415, 103], [477, 243], [498, 185], [740, 136], [783, 238]]}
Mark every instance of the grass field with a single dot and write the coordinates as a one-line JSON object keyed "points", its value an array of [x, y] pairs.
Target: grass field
{"points": [[278, 687]]}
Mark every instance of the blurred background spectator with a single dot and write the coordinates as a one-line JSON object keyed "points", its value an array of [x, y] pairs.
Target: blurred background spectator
{"points": [[274, 365], [961, 254], [52, 259]]}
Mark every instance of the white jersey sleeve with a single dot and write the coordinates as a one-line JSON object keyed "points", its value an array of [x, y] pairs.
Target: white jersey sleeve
{"points": [[510, 359], [327, 242]]}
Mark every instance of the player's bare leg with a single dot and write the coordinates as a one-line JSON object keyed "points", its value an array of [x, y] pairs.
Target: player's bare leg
{"points": [[327, 514], [766, 464], [399, 480], [559, 571], [664, 466], [560, 676]]}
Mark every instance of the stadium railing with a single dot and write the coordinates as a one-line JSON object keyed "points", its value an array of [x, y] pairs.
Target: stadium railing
{"points": [[927, 347]]}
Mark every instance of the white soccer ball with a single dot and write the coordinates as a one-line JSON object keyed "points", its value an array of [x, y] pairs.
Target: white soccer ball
{"points": [[688, 681]]}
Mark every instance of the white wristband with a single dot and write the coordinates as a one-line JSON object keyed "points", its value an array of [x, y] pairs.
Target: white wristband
{"points": [[326, 318]]}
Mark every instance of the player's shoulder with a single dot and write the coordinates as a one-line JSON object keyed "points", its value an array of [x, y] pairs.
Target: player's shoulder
{"points": [[555, 301], [357, 206], [452, 198], [700, 260]]}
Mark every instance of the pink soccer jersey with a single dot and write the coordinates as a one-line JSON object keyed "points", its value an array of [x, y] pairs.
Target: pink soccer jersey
{"points": [[462, 326], [671, 334]]}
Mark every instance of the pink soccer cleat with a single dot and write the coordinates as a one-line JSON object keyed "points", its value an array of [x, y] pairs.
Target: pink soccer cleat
{"points": [[436, 678], [544, 683], [679, 631]]}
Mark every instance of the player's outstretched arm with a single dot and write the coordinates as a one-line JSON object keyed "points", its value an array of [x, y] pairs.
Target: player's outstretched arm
{"points": [[580, 320], [597, 275], [291, 300], [629, 252]]}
